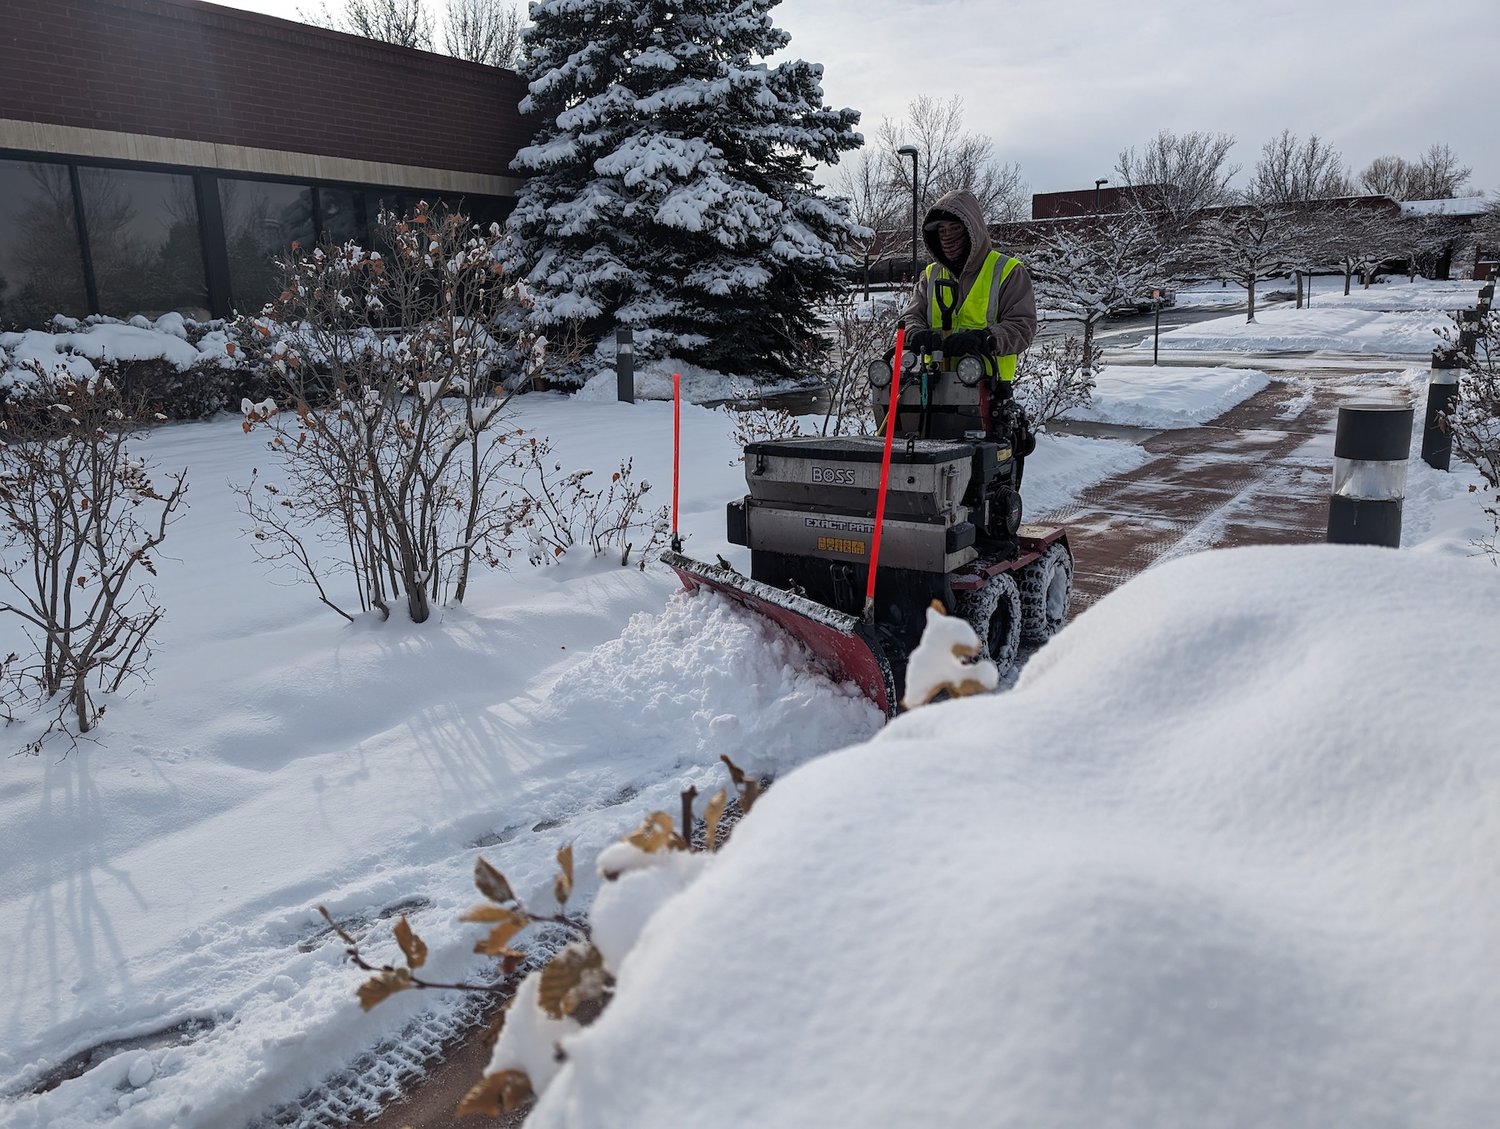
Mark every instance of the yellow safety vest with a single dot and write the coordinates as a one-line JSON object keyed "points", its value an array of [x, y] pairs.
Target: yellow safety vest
{"points": [[979, 309]]}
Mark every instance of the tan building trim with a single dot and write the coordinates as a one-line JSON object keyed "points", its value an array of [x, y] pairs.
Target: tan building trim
{"points": [[73, 141]]}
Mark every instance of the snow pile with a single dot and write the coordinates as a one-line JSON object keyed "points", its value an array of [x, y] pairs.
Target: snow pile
{"points": [[941, 662], [1167, 397], [1222, 858], [80, 346]]}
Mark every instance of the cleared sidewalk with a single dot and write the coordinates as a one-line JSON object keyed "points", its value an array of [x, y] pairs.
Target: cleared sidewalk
{"points": [[1258, 475]]}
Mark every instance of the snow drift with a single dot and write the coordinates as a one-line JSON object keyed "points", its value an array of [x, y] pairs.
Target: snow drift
{"points": [[1224, 857]]}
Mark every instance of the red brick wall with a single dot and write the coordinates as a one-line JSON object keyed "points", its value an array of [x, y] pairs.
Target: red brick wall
{"points": [[181, 68]]}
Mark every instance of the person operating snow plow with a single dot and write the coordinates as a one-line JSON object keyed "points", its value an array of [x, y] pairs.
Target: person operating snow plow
{"points": [[853, 537], [971, 301]]}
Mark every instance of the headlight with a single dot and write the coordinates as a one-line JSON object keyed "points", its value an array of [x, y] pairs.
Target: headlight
{"points": [[970, 371], [909, 362], [879, 374]]}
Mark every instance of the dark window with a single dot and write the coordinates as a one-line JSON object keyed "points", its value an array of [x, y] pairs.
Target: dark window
{"points": [[339, 215], [485, 210], [41, 263], [261, 223], [144, 242]]}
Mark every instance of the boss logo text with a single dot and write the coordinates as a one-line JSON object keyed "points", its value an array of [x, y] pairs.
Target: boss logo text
{"points": [[833, 476]]}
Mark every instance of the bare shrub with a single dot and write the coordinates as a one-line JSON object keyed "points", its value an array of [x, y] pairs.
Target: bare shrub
{"points": [[1056, 375], [82, 519], [556, 510], [761, 423], [386, 422], [862, 331], [1474, 419]]}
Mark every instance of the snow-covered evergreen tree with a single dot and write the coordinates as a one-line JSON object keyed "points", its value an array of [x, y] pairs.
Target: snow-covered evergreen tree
{"points": [[671, 187]]}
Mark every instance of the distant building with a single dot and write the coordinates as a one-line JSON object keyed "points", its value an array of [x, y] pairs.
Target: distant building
{"points": [[1477, 251], [156, 154]]}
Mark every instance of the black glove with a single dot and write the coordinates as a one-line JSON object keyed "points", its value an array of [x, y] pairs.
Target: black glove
{"points": [[924, 340], [970, 342]]}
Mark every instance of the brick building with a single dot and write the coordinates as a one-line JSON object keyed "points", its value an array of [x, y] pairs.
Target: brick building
{"points": [[156, 154]]}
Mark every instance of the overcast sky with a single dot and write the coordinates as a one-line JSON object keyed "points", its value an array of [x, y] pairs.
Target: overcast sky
{"points": [[1063, 85]]}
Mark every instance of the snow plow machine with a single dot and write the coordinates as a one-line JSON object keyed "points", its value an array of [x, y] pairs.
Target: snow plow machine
{"points": [[934, 502]]}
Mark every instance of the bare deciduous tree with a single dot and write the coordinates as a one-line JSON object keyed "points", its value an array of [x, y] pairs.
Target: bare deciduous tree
{"points": [[402, 22], [1360, 239], [950, 158], [875, 202], [1474, 419], [82, 519], [1291, 171], [862, 332], [1248, 244], [1087, 270], [1177, 176], [1436, 175], [483, 31]]}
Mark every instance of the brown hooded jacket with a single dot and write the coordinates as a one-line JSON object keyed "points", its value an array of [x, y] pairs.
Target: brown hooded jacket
{"points": [[1015, 324]]}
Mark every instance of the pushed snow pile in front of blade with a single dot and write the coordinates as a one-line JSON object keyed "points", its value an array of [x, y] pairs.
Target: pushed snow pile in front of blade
{"points": [[845, 646]]}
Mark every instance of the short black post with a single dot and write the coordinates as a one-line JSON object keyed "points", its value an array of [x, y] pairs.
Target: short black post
{"points": [[1156, 337], [1370, 449], [625, 366], [1487, 294], [1442, 390], [1468, 331]]}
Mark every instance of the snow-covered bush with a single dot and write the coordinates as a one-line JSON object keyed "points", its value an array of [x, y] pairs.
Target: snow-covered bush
{"points": [[172, 366], [81, 518], [390, 370], [1056, 375]]}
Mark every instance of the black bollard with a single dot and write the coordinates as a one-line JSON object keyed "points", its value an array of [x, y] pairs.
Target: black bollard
{"points": [[1442, 390], [1468, 331], [625, 366], [1370, 449]]}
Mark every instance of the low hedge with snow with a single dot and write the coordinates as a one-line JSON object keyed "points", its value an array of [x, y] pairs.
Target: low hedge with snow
{"points": [[182, 369]]}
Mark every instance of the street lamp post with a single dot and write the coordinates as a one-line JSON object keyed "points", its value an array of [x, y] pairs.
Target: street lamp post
{"points": [[1097, 183], [911, 151]]}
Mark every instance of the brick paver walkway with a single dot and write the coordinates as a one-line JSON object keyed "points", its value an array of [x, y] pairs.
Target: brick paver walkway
{"points": [[1258, 475]]}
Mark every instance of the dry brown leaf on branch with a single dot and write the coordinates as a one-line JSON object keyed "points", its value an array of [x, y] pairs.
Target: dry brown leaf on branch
{"points": [[334, 925], [486, 914], [654, 834], [573, 976], [497, 944], [492, 883], [747, 786], [562, 885], [495, 1094], [383, 986], [412, 946], [712, 814]]}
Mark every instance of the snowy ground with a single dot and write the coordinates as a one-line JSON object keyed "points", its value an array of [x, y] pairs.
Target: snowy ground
{"points": [[160, 887], [1391, 318], [1163, 396]]}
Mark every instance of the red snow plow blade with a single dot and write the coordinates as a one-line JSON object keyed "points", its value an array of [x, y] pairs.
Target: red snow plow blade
{"points": [[844, 644]]}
